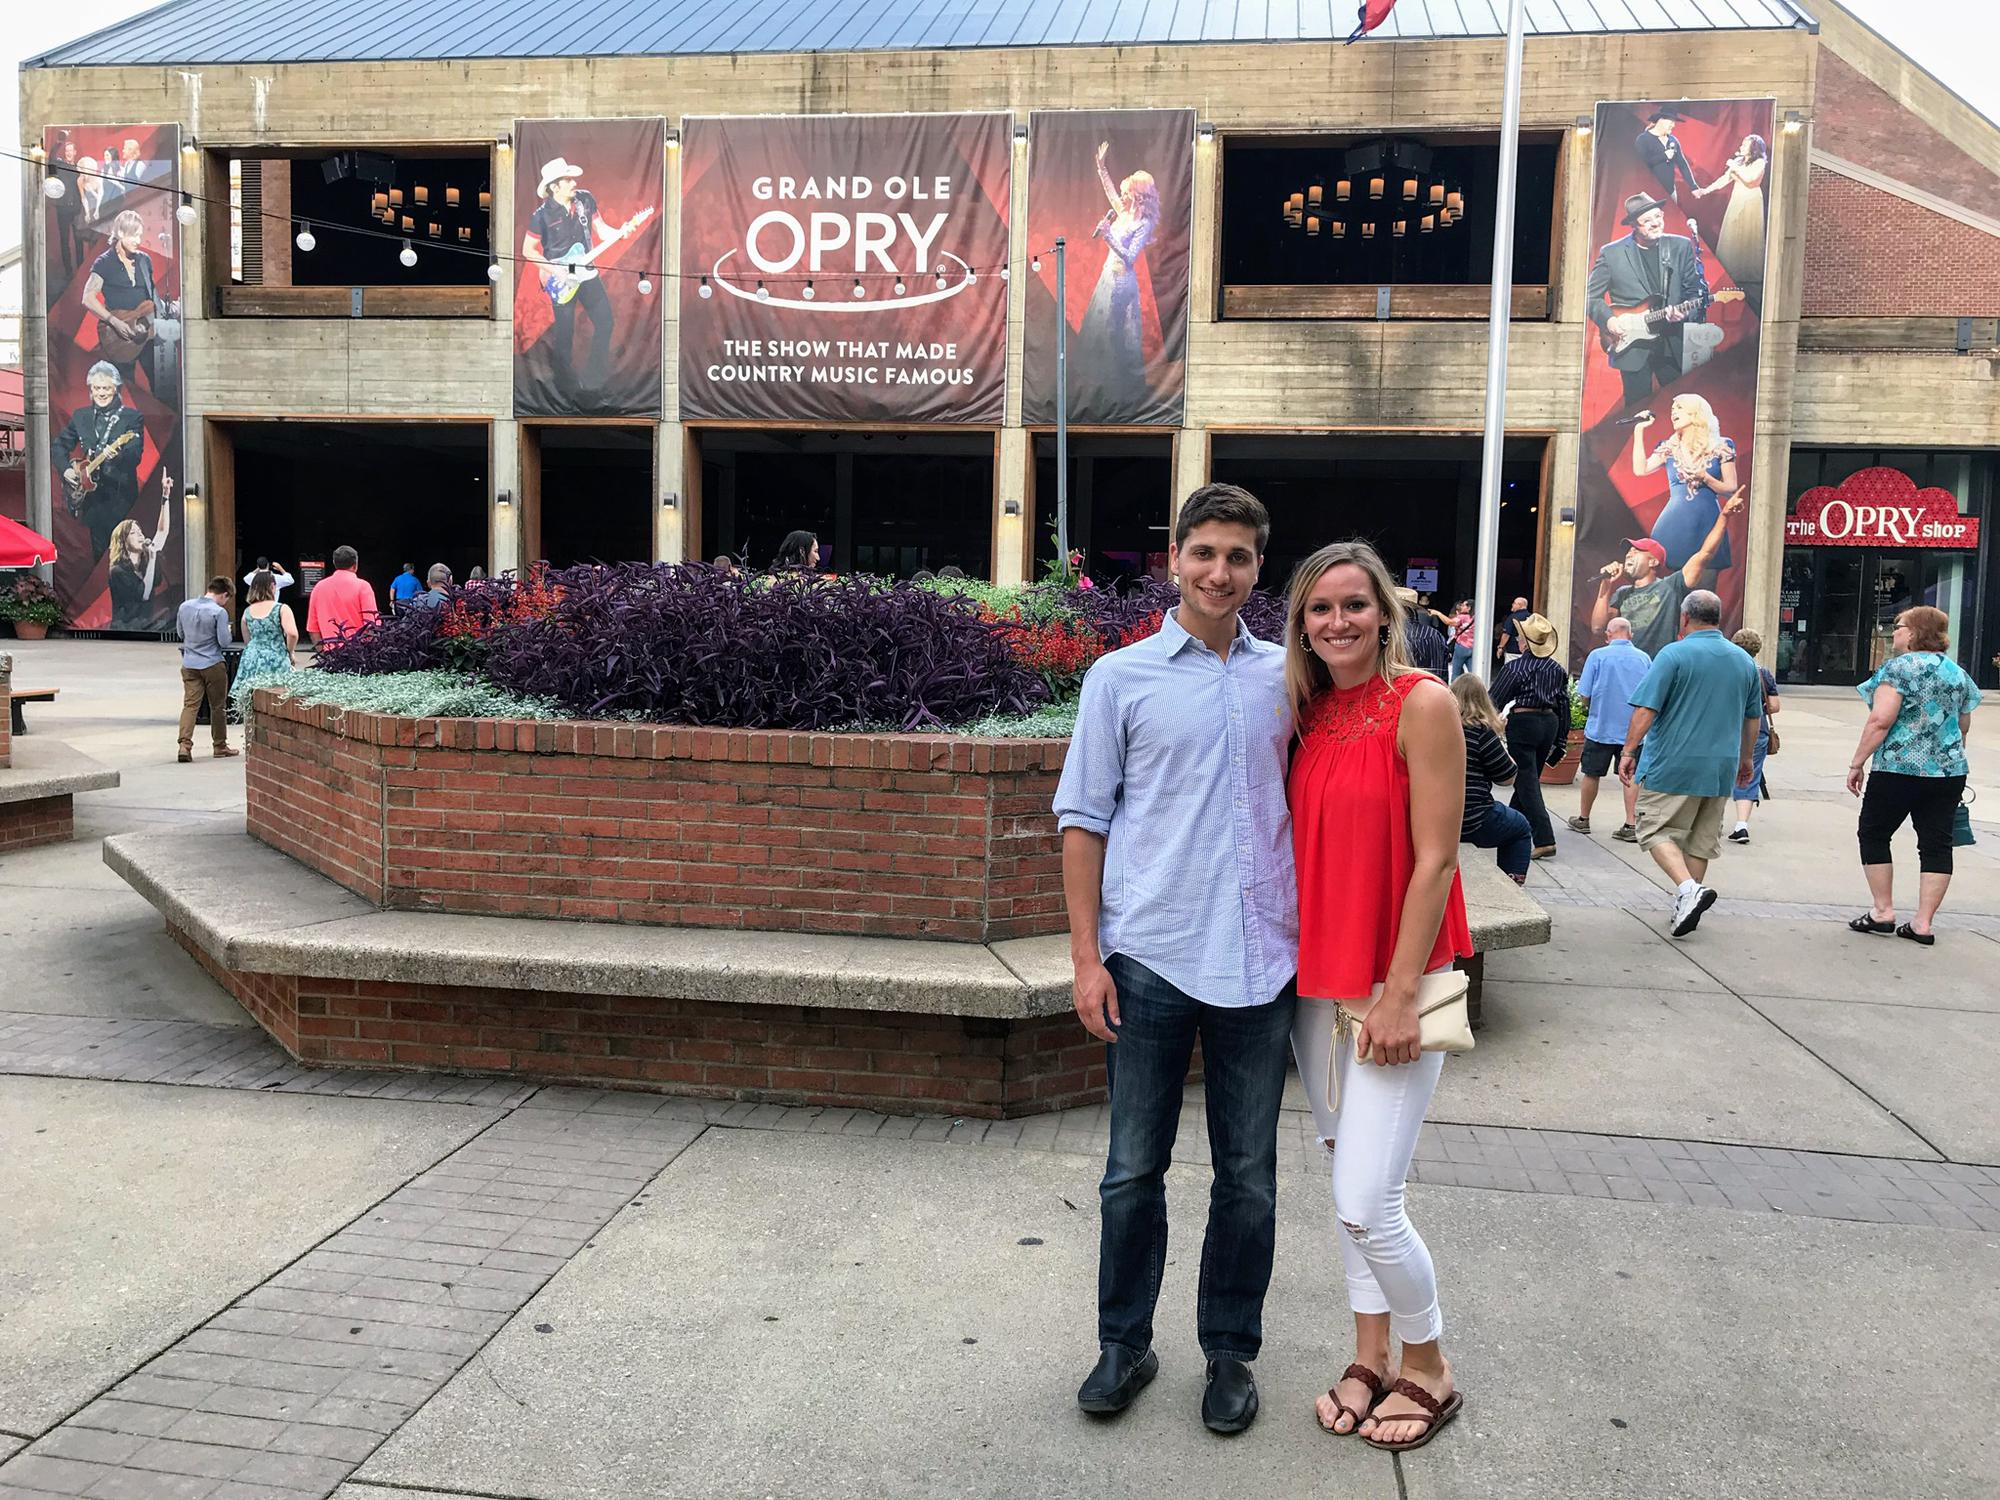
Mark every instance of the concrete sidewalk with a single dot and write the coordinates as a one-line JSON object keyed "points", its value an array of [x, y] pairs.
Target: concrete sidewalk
{"points": [[1696, 1247]]}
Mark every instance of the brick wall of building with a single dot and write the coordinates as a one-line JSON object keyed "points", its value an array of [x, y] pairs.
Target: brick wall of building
{"points": [[46, 820], [888, 836], [1871, 253], [896, 1063], [1857, 121]]}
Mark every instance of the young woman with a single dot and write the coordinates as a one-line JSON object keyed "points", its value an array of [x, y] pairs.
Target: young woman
{"points": [[1461, 638], [1701, 471], [1377, 792], [1488, 762], [1111, 338], [797, 553], [1920, 705], [135, 565], [270, 638]]}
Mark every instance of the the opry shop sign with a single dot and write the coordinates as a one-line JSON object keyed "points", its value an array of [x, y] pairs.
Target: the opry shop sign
{"points": [[1879, 508]]}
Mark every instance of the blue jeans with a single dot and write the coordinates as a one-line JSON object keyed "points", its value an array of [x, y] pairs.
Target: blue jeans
{"points": [[1506, 830], [1461, 661], [1243, 1053]]}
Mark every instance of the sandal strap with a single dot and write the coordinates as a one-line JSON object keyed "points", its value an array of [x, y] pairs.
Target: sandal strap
{"points": [[1361, 1372], [1418, 1394]]}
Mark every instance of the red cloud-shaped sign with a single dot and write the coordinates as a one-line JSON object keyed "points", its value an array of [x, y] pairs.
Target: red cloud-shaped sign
{"points": [[1879, 508]]}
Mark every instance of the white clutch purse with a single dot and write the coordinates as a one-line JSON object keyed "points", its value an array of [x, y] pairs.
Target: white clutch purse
{"points": [[1444, 1022]]}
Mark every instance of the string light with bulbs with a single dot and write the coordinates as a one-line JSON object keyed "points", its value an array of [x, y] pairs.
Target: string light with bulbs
{"points": [[307, 231]]}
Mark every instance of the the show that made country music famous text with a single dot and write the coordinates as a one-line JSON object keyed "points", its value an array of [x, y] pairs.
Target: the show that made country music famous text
{"points": [[1118, 186], [845, 268], [113, 277], [588, 220], [1680, 204]]}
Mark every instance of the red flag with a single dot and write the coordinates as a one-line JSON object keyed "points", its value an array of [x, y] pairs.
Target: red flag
{"points": [[1371, 13]]}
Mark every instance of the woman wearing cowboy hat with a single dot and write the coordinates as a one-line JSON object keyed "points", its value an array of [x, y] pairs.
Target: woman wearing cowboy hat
{"points": [[1534, 691]]}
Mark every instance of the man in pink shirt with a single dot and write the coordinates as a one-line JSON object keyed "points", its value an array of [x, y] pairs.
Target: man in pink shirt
{"points": [[343, 601]]}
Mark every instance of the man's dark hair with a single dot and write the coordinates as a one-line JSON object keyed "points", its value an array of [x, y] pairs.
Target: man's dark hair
{"points": [[1227, 503], [345, 557], [263, 565], [795, 550], [222, 586]]}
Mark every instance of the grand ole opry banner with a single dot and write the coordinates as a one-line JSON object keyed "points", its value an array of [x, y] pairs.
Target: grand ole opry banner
{"points": [[844, 268]]}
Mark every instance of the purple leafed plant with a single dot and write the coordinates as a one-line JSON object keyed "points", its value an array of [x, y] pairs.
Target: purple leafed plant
{"points": [[692, 645]]}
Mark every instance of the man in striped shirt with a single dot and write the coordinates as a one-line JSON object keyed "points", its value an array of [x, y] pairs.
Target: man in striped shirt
{"points": [[1534, 692]]}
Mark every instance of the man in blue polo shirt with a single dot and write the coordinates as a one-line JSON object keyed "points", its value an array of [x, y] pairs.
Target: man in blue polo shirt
{"points": [[1694, 725], [1610, 674]]}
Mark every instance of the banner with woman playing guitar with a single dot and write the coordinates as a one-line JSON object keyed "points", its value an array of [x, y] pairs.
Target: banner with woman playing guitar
{"points": [[587, 197], [113, 278]]}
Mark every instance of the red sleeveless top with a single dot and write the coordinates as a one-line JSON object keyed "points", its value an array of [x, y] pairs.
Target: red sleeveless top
{"points": [[1350, 797]]}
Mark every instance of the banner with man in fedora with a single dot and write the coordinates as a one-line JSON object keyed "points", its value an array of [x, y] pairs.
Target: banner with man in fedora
{"points": [[1679, 209], [587, 196]]}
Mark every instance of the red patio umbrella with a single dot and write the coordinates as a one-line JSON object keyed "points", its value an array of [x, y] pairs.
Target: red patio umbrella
{"points": [[22, 548]]}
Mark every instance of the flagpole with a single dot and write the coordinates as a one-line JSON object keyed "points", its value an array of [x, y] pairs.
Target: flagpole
{"points": [[1062, 406], [1500, 311]]}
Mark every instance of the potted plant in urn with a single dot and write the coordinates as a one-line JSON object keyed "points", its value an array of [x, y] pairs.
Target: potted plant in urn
{"points": [[1563, 771], [31, 605]]}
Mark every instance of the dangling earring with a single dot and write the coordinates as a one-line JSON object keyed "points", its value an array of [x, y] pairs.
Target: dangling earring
{"points": [[1385, 635]]}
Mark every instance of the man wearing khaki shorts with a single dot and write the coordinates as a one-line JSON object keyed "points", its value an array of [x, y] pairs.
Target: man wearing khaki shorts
{"points": [[1694, 725]]}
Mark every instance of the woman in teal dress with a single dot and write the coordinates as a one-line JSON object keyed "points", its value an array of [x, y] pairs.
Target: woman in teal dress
{"points": [[270, 636]]}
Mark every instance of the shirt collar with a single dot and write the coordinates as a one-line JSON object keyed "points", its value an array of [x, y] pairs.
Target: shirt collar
{"points": [[1174, 638]]}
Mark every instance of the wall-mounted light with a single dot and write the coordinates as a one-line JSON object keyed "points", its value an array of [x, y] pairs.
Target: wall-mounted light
{"points": [[1567, 515], [671, 500], [1206, 130], [503, 142], [1584, 124], [673, 138], [192, 492], [1021, 135], [190, 147], [503, 498], [1794, 122], [1010, 507], [36, 153]]}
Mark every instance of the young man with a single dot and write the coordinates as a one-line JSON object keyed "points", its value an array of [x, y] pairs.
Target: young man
{"points": [[404, 588], [1183, 911], [1694, 724], [204, 627], [343, 601], [1611, 674], [1645, 594]]}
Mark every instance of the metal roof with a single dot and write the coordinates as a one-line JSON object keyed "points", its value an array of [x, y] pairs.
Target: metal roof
{"points": [[186, 32]]}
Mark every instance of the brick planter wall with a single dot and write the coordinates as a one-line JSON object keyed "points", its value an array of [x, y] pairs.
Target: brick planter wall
{"points": [[876, 835], [46, 820], [888, 1061], [7, 717]]}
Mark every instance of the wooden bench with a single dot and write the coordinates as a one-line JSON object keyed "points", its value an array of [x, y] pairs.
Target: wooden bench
{"points": [[17, 696]]}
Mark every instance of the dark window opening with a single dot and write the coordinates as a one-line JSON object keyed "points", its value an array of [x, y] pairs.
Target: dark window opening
{"points": [[1416, 500], [1120, 501], [393, 199], [891, 504], [596, 494], [397, 492], [1283, 222]]}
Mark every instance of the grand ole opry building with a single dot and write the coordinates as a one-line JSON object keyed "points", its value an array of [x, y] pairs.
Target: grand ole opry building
{"points": [[486, 284]]}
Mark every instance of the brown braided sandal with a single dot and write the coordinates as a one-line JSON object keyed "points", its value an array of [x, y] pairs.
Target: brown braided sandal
{"points": [[1434, 1415], [1376, 1390]]}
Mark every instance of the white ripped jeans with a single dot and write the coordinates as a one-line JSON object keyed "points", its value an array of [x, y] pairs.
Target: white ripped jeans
{"points": [[1373, 1137]]}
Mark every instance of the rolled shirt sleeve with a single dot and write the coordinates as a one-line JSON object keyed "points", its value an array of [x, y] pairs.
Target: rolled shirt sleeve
{"points": [[1093, 774]]}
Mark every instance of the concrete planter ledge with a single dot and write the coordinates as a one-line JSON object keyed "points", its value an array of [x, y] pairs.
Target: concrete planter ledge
{"points": [[1501, 913], [257, 911], [38, 789]]}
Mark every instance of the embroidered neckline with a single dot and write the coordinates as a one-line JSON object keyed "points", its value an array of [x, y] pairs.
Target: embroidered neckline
{"points": [[1343, 715]]}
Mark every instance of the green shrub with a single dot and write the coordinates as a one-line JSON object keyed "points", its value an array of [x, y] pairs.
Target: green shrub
{"points": [[416, 695]]}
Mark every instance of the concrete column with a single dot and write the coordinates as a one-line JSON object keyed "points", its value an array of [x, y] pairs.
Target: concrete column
{"points": [[506, 519], [671, 542], [1559, 558], [1190, 467], [1010, 533], [35, 351]]}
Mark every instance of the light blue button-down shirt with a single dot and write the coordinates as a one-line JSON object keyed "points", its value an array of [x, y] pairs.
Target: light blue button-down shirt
{"points": [[1179, 759]]}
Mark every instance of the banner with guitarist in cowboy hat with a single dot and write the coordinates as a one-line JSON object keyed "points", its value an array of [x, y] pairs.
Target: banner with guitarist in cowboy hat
{"points": [[112, 257], [1674, 300], [587, 197]]}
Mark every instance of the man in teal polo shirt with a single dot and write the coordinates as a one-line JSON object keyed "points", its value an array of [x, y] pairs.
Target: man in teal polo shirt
{"points": [[1694, 725]]}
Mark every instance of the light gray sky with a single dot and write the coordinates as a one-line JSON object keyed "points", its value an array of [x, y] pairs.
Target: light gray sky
{"points": [[1957, 40]]}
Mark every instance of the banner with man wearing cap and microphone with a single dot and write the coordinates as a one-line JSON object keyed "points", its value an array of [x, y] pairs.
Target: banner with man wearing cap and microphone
{"points": [[587, 229], [1679, 209]]}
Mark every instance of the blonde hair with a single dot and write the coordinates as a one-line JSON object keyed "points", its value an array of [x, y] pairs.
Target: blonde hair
{"points": [[127, 222], [1141, 195], [1475, 704], [1698, 440], [1305, 674], [1749, 640]]}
